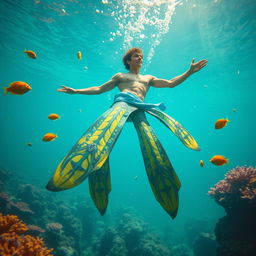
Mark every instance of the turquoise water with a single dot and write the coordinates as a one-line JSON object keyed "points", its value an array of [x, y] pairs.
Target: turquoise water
{"points": [[223, 32]]}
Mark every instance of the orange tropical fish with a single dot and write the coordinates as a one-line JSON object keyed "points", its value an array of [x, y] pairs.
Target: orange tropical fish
{"points": [[201, 163], [49, 137], [30, 54], [17, 87], [53, 116], [79, 55], [220, 123], [219, 160]]}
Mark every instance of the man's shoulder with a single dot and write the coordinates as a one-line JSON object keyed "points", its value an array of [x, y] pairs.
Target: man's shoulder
{"points": [[149, 76], [117, 76]]}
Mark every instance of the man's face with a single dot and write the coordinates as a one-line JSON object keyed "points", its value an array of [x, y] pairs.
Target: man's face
{"points": [[136, 59]]}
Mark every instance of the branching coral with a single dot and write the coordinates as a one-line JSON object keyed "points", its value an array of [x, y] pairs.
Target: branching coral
{"points": [[10, 224], [13, 243], [238, 186]]}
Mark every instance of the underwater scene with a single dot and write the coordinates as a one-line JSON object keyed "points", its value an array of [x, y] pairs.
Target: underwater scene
{"points": [[167, 167]]}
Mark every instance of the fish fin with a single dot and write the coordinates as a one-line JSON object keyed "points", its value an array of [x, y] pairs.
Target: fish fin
{"points": [[6, 90], [184, 136], [163, 180], [92, 149], [100, 187]]}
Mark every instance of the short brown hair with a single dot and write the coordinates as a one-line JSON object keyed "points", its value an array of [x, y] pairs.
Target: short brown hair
{"points": [[128, 56]]}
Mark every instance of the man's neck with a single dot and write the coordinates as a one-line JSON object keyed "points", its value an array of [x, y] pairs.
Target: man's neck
{"points": [[135, 70]]}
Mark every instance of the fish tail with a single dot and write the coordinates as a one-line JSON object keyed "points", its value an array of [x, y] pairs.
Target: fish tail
{"points": [[6, 90]]}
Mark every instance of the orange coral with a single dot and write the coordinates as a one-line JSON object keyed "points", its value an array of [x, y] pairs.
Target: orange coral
{"points": [[11, 223], [12, 243]]}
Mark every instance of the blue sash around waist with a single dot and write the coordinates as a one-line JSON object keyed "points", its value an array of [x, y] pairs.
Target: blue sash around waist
{"points": [[135, 101]]}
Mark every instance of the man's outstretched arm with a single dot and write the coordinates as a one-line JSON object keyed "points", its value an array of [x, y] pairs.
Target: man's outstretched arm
{"points": [[194, 67], [109, 85]]}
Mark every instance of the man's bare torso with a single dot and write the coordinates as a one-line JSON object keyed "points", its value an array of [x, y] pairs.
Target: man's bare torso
{"points": [[136, 84]]}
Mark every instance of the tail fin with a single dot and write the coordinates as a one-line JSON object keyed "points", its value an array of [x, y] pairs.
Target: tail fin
{"points": [[6, 90]]}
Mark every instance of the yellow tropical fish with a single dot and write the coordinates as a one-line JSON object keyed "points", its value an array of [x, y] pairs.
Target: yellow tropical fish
{"points": [[79, 55]]}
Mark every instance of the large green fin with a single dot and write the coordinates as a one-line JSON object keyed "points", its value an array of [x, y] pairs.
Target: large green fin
{"points": [[91, 151], [162, 177], [176, 128], [100, 187]]}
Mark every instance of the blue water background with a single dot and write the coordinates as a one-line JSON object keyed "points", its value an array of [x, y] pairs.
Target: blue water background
{"points": [[223, 32]]}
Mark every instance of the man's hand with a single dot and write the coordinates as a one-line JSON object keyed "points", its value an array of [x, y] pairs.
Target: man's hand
{"points": [[194, 67], [66, 89]]}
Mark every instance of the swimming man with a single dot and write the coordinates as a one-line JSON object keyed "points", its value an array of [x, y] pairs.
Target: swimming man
{"points": [[133, 81]]}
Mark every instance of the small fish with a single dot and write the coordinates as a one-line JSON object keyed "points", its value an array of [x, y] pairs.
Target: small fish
{"points": [[29, 144], [53, 116], [79, 55], [201, 163], [238, 72], [219, 160], [31, 54], [49, 137], [220, 123], [234, 110], [135, 177], [17, 87]]}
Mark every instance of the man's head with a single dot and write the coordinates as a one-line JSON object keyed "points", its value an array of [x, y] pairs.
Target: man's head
{"points": [[133, 56]]}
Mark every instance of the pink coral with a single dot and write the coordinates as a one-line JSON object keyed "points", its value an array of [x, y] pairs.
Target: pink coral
{"points": [[239, 185]]}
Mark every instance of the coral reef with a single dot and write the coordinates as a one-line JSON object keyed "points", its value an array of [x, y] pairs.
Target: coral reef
{"points": [[47, 215], [130, 236], [205, 244], [11, 224], [238, 188], [72, 226], [236, 232], [35, 230], [181, 249], [15, 207], [12, 242], [193, 228]]}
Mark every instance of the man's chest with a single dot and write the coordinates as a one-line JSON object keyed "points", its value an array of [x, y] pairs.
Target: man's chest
{"points": [[130, 78]]}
